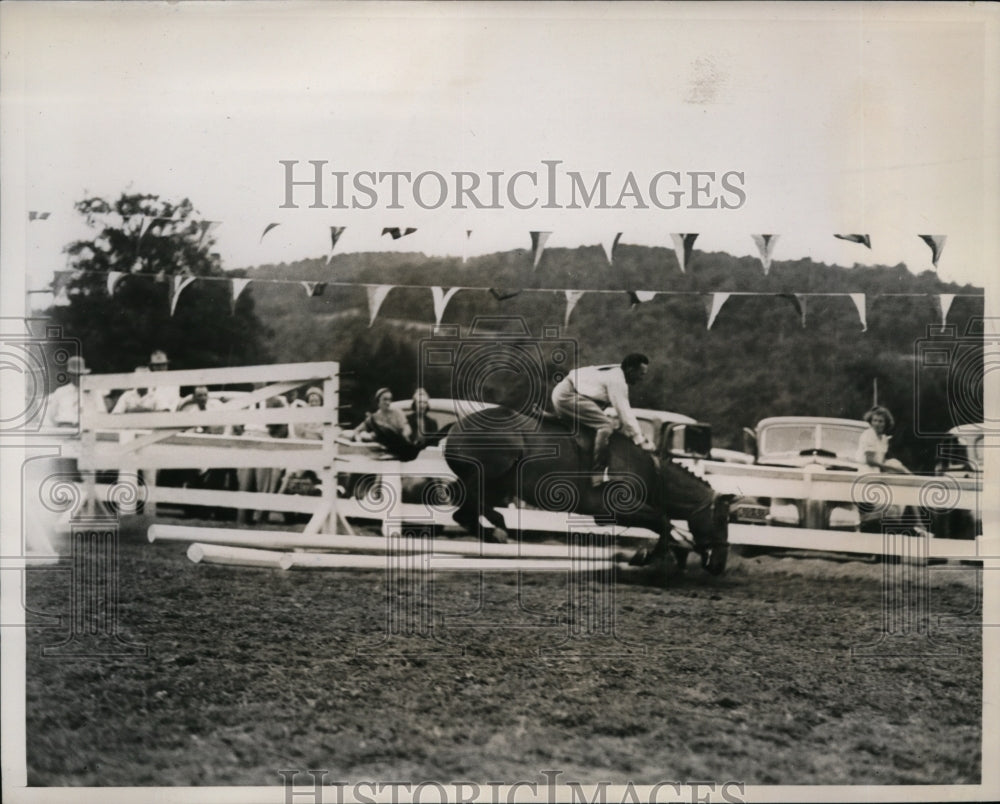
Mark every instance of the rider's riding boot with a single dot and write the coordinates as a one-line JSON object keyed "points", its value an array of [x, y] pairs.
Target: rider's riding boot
{"points": [[600, 468]]}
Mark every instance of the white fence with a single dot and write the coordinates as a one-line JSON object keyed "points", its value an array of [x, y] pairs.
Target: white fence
{"points": [[168, 443]]}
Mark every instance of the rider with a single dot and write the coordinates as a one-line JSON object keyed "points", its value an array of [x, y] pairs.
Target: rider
{"points": [[585, 392]]}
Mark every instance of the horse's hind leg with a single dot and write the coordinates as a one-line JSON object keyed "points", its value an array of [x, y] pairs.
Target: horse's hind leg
{"points": [[473, 507]]}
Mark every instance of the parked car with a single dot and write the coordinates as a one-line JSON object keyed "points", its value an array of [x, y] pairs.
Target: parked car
{"points": [[798, 442], [960, 455]]}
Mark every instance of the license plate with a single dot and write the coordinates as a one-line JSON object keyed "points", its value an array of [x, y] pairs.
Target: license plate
{"points": [[750, 513]]}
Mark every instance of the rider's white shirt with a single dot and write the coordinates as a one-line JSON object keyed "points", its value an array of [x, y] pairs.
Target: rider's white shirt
{"points": [[607, 385]]}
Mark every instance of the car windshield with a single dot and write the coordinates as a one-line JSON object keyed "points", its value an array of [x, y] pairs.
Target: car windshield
{"points": [[782, 439]]}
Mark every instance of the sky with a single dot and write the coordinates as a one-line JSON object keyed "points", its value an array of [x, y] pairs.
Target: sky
{"points": [[841, 119]]}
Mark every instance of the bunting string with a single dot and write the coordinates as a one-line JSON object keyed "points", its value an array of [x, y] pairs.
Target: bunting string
{"points": [[376, 294]]}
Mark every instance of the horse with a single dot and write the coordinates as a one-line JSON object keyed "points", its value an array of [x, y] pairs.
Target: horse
{"points": [[498, 454]]}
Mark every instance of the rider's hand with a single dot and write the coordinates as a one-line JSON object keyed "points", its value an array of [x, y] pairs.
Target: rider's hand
{"points": [[647, 445]]}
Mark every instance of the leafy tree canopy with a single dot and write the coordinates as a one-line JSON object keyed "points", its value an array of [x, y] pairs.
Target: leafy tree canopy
{"points": [[150, 241]]}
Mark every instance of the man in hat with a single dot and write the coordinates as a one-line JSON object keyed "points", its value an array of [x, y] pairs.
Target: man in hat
{"points": [[62, 408], [167, 395]]}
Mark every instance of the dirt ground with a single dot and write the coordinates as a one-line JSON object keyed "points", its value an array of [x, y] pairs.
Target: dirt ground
{"points": [[749, 677]]}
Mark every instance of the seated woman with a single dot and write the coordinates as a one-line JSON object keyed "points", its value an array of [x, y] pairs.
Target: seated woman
{"points": [[424, 428], [874, 442], [310, 430], [387, 426]]}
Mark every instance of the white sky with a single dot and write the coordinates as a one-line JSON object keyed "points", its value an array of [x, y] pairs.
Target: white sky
{"points": [[855, 118]]}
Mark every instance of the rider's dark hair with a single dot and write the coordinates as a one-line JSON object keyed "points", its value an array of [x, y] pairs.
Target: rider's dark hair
{"points": [[634, 359]]}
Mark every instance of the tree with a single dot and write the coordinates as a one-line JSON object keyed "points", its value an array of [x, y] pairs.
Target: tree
{"points": [[150, 241]]}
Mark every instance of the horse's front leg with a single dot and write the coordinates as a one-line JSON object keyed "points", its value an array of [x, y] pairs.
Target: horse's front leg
{"points": [[499, 533], [665, 548]]}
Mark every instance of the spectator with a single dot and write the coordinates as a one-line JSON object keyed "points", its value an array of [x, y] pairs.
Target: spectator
{"points": [[389, 427], [140, 400], [168, 395], [382, 421], [310, 430], [874, 442], [424, 428], [62, 408], [210, 478], [201, 400], [266, 480]]}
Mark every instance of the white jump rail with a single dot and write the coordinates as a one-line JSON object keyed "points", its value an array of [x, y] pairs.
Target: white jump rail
{"points": [[246, 556]]}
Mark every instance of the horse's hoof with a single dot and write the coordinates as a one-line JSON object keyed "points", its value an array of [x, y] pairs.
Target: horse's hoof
{"points": [[498, 536], [640, 558]]}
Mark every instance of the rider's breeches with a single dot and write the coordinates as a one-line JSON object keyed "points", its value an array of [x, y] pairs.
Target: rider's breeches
{"points": [[572, 407]]}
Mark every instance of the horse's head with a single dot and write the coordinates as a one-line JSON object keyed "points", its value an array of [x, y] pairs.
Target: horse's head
{"points": [[684, 495]]}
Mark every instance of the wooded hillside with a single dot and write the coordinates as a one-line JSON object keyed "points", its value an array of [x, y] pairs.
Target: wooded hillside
{"points": [[757, 360]]}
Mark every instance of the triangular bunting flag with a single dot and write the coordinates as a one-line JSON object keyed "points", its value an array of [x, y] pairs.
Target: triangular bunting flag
{"points": [[798, 300], [441, 299], [465, 246], [945, 300], [683, 246], [936, 245], [267, 229], [238, 286], [335, 233], [859, 303], [314, 288], [765, 245], [205, 228], [864, 240], [37, 216], [376, 295], [637, 297], [502, 294], [572, 297], [610, 247], [179, 283], [714, 305], [538, 241], [395, 232], [113, 277]]}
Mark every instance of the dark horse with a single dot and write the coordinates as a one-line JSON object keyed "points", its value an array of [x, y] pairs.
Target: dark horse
{"points": [[498, 454]]}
